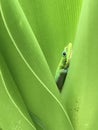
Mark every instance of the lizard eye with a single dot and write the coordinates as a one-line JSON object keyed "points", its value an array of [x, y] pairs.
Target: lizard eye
{"points": [[64, 53]]}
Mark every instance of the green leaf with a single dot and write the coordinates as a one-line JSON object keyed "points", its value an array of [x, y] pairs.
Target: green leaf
{"points": [[81, 92], [13, 113], [30, 70]]}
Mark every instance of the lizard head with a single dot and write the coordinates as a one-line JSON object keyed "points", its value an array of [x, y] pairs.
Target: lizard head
{"points": [[66, 55]]}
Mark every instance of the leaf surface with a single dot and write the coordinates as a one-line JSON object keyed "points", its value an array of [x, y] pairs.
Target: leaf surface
{"points": [[81, 92]]}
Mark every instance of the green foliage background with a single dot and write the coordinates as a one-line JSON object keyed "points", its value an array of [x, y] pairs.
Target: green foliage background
{"points": [[32, 36]]}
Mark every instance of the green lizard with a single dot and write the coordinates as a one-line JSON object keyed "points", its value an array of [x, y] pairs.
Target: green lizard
{"points": [[63, 66]]}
